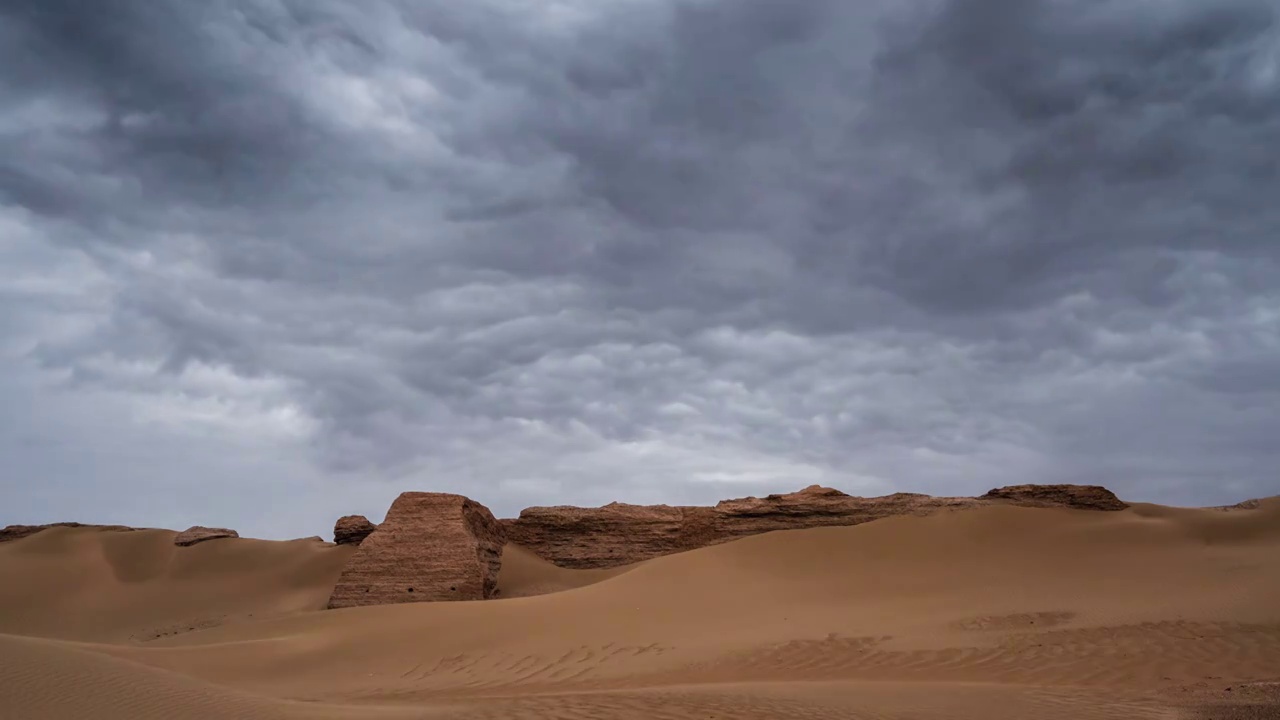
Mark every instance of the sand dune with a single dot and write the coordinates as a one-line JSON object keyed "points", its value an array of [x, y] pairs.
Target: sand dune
{"points": [[86, 584], [525, 574], [997, 612]]}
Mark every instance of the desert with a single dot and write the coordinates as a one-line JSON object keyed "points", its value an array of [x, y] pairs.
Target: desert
{"points": [[1028, 602], [640, 360]]}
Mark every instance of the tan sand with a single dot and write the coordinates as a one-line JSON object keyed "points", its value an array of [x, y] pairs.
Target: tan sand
{"points": [[998, 612]]}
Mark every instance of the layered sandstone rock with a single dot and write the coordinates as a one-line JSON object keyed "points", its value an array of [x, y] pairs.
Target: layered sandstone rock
{"points": [[817, 506], [1083, 497], [432, 546], [352, 529], [17, 532], [198, 534], [618, 534]]}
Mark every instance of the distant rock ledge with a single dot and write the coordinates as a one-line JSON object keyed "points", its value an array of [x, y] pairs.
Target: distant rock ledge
{"points": [[1081, 497], [190, 536], [17, 532]]}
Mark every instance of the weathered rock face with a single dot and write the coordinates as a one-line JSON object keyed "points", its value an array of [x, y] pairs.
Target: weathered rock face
{"points": [[618, 534], [1083, 497], [352, 529], [432, 546], [17, 532], [816, 506], [198, 534]]}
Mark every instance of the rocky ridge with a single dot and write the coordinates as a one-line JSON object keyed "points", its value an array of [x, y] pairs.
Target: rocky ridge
{"points": [[618, 534]]}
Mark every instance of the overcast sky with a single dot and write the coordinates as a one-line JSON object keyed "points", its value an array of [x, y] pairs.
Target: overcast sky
{"points": [[267, 262]]}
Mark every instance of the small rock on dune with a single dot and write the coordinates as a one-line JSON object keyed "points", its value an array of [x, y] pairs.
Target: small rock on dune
{"points": [[432, 546], [352, 529], [199, 534], [1083, 497]]}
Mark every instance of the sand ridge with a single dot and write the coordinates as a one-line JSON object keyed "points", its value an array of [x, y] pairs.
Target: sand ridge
{"points": [[995, 612]]}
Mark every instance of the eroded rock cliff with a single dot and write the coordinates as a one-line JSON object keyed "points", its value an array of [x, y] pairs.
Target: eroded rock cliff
{"points": [[619, 534]]}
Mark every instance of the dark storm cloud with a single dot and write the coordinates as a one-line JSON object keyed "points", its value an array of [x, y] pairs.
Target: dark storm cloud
{"points": [[650, 250], [173, 104]]}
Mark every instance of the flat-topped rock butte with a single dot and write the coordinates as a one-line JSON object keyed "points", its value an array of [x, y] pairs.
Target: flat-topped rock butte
{"points": [[1083, 497], [431, 547]]}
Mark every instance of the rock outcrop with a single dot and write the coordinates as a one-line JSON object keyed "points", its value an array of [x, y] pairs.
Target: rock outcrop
{"points": [[352, 529], [1082, 497], [616, 534], [432, 546], [619, 534], [817, 506], [1252, 504], [198, 534], [17, 532]]}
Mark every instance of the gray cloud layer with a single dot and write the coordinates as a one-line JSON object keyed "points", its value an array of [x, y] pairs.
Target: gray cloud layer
{"points": [[264, 262]]}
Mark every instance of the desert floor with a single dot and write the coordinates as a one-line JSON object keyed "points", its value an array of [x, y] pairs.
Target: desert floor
{"points": [[999, 612]]}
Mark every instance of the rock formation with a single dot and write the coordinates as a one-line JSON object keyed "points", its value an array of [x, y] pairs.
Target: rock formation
{"points": [[352, 529], [618, 534], [817, 506], [198, 534], [1083, 497], [432, 546], [1252, 504], [17, 532]]}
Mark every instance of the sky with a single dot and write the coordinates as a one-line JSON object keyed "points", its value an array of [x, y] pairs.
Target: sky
{"points": [[264, 263]]}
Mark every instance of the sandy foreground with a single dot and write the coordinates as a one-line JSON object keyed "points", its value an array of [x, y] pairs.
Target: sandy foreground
{"points": [[991, 613]]}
